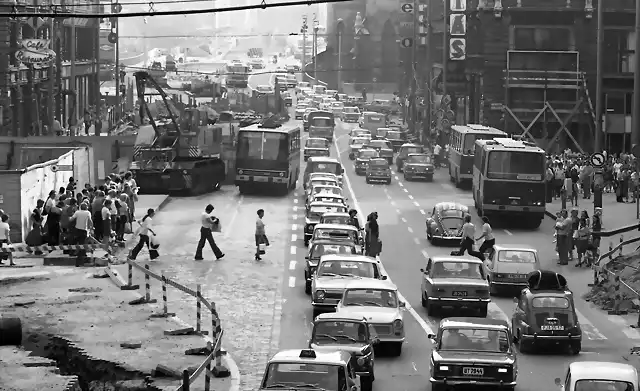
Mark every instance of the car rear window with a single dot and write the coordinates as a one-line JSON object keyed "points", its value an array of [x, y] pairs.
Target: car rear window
{"points": [[550, 302], [458, 270], [512, 256], [603, 385], [379, 163], [319, 250]]}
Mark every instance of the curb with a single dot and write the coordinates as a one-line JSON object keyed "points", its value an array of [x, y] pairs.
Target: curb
{"points": [[227, 359]]}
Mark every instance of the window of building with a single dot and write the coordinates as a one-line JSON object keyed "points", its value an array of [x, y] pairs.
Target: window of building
{"points": [[543, 38], [619, 53]]}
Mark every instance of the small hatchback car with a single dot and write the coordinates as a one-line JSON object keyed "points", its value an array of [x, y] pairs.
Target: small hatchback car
{"points": [[378, 170], [599, 375], [508, 267]]}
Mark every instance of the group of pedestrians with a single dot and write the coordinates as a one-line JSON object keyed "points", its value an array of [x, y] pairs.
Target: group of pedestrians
{"points": [[575, 231]]}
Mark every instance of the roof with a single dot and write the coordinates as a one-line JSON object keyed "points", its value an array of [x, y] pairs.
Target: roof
{"points": [[282, 129], [463, 321], [475, 128], [332, 241], [502, 143], [547, 292], [341, 315], [322, 357], [451, 205], [336, 214], [348, 257], [384, 128], [602, 370], [323, 159], [454, 258], [336, 226], [372, 283], [516, 247], [324, 203], [411, 145]]}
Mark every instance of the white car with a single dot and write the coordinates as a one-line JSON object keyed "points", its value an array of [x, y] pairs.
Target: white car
{"points": [[599, 375], [356, 144], [300, 109], [322, 189], [320, 181], [336, 109], [377, 301]]}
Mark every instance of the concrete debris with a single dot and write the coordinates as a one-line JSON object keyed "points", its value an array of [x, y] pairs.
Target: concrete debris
{"points": [[131, 345], [24, 303], [184, 331], [165, 371], [85, 290], [609, 291]]}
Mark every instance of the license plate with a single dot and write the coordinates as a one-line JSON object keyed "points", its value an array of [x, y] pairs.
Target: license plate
{"points": [[514, 202], [472, 371], [552, 328], [514, 276], [459, 293]]}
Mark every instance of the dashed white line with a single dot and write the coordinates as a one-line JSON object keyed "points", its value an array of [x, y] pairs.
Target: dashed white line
{"points": [[425, 254], [295, 216], [416, 240], [416, 204], [423, 212], [403, 219], [292, 282], [508, 232], [410, 229], [294, 227], [396, 177], [293, 250], [405, 190], [393, 203], [388, 196], [414, 366], [295, 208], [295, 200], [397, 210], [410, 197], [294, 237], [292, 265], [400, 184]]}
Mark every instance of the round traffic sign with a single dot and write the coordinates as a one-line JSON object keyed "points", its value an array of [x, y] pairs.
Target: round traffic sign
{"points": [[597, 159], [407, 8], [375, 79], [446, 122], [54, 168], [450, 115]]}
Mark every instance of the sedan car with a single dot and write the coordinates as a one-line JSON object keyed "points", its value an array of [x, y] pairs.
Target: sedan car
{"points": [[362, 160], [598, 375], [396, 138], [314, 214], [318, 175], [300, 109], [455, 282], [337, 233], [355, 132], [350, 114], [318, 249], [337, 108], [544, 318], [347, 333], [445, 222], [316, 146], [319, 181], [355, 144], [418, 165], [473, 352], [383, 147], [404, 152], [334, 273], [508, 267], [378, 170], [379, 303]]}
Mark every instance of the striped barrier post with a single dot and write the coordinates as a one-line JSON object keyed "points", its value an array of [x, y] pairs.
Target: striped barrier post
{"points": [[207, 377], [198, 309], [621, 240], [610, 250], [23, 248], [147, 283], [146, 299], [219, 370], [130, 274], [165, 310]]}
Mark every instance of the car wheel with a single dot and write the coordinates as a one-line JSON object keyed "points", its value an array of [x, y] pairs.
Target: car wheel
{"points": [[396, 349], [523, 346], [406, 177], [483, 311], [366, 383], [424, 301], [307, 287], [575, 347]]}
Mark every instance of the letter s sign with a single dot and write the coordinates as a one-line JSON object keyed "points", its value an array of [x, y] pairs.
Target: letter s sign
{"points": [[457, 49]]}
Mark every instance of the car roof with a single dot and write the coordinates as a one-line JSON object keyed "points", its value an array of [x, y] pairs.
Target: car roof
{"points": [[323, 159], [332, 241], [384, 128], [418, 154], [455, 258], [341, 315], [602, 370], [462, 321], [457, 206], [324, 203], [336, 214], [327, 186], [336, 226], [515, 247], [322, 357], [372, 283], [411, 145], [348, 257]]}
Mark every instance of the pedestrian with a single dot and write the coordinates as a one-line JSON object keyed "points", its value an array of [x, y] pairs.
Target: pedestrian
{"points": [[372, 236], [208, 224], [5, 238], [143, 234], [261, 236], [81, 226], [105, 213], [563, 229], [468, 239]]}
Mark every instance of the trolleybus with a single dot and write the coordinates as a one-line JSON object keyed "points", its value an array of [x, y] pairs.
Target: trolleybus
{"points": [[237, 74], [462, 146]]}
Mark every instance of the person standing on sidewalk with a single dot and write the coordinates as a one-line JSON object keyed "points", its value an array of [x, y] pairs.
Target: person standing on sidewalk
{"points": [[261, 236], [5, 238], [208, 224], [563, 228]]}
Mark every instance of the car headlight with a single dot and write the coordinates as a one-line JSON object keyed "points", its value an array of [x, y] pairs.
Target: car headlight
{"points": [[443, 368], [240, 172], [319, 295], [309, 228], [361, 361], [281, 174], [397, 326]]}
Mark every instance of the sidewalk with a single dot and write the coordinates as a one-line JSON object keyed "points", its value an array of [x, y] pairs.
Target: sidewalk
{"points": [[614, 214]]}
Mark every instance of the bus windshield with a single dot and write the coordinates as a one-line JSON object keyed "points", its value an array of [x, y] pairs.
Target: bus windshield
{"points": [[321, 121], [237, 69], [263, 146], [470, 141], [516, 165]]}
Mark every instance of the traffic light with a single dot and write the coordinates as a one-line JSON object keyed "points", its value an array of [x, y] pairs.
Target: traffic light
{"points": [[113, 35]]}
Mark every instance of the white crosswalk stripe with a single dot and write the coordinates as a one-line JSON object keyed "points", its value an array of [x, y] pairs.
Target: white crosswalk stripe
{"points": [[588, 329]]}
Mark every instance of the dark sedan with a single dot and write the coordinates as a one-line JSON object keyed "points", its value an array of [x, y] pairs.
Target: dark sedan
{"points": [[418, 166]]}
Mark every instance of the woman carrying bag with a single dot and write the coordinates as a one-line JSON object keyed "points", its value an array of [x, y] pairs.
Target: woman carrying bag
{"points": [[261, 237]]}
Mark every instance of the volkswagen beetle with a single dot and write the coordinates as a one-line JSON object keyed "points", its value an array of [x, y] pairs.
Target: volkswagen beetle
{"points": [[445, 222]]}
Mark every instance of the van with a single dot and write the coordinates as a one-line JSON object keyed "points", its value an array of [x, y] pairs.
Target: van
{"points": [[372, 121], [321, 124]]}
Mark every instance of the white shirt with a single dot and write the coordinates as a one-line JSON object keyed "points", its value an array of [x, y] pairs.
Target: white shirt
{"points": [[207, 220], [468, 231], [616, 167], [4, 231], [82, 218], [487, 231], [436, 149], [145, 226], [259, 226]]}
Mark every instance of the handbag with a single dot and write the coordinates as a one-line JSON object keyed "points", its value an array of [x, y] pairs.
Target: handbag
{"points": [[262, 248], [217, 227], [127, 228]]}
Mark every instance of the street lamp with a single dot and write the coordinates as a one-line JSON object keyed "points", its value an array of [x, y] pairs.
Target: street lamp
{"points": [[316, 28], [340, 28]]}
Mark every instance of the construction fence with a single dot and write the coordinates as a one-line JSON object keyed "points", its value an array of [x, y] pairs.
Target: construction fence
{"points": [[212, 365]]}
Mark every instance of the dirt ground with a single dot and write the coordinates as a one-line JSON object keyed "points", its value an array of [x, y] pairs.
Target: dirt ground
{"points": [[95, 316], [627, 267]]}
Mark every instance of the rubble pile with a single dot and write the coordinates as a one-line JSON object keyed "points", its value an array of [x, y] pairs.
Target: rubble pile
{"points": [[608, 288]]}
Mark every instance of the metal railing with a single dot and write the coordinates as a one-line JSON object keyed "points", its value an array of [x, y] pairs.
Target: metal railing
{"points": [[213, 351], [309, 77], [542, 78]]}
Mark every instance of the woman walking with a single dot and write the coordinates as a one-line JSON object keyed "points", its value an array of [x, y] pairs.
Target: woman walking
{"points": [[261, 236], [145, 230]]}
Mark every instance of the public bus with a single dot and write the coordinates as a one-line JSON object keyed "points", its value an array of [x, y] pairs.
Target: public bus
{"points": [[237, 74], [462, 142], [509, 180], [267, 157]]}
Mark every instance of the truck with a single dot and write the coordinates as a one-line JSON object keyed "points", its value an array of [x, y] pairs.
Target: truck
{"points": [[321, 124]]}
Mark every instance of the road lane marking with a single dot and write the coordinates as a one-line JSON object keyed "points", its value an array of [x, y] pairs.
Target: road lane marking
{"points": [[416, 204], [292, 282], [410, 197], [293, 250], [295, 200], [410, 229], [405, 190], [397, 210], [423, 212], [416, 240], [393, 203], [388, 196], [621, 323], [421, 322], [295, 208], [400, 184], [294, 237], [292, 265], [508, 232], [413, 364], [294, 227], [295, 216], [403, 219], [425, 254], [396, 177]]}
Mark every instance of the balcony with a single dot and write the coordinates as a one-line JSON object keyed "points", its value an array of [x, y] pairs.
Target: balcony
{"points": [[543, 69]]}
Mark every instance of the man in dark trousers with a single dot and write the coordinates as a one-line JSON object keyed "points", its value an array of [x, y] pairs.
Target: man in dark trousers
{"points": [[209, 222]]}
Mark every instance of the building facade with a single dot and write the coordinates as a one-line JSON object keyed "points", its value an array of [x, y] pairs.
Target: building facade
{"points": [[52, 68]]}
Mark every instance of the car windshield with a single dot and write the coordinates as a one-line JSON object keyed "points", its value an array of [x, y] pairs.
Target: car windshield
{"points": [[550, 302], [371, 297], [346, 268], [335, 234], [316, 212], [603, 385], [367, 153], [409, 150], [378, 163], [392, 134], [351, 110], [319, 250], [292, 375], [328, 189], [375, 118], [346, 220], [458, 269], [516, 256], [316, 143], [339, 331], [333, 168], [422, 159], [359, 140], [481, 340]]}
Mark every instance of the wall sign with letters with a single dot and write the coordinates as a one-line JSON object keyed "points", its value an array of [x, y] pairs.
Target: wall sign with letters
{"points": [[457, 30]]}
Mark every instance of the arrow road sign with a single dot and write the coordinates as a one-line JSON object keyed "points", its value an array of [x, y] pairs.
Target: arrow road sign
{"points": [[407, 8], [406, 42], [597, 159]]}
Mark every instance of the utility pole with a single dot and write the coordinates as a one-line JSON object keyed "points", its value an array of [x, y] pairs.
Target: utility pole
{"points": [[414, 84], [445, 48], [426, 125], [73, 116], [118, 99], [599, 61], [303, 30], [340, 35], [635, 129], [315, 48]]}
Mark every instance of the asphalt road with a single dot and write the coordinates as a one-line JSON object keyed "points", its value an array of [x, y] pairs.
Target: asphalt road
{"points": [[403, 208]]}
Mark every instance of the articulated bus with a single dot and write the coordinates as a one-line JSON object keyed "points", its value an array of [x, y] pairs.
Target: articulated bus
{"points": [[237, 74], [267, 158], [508, 180], [462, 146]]}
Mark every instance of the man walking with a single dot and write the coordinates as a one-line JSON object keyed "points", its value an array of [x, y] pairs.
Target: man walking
{"points": [[261, 236], [208, 223]]}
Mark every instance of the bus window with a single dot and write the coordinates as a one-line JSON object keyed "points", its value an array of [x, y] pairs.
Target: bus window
{"points": [[250, 145], [470, 141], [515, 165]]}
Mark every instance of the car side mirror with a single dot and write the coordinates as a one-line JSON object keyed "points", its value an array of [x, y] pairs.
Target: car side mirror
{"points": [[558, 381], [431, 336], [402, 304], [385, 277]]}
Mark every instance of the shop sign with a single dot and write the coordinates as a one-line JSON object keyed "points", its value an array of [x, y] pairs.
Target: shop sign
{"points": [[35, 51], [457, 30]]}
